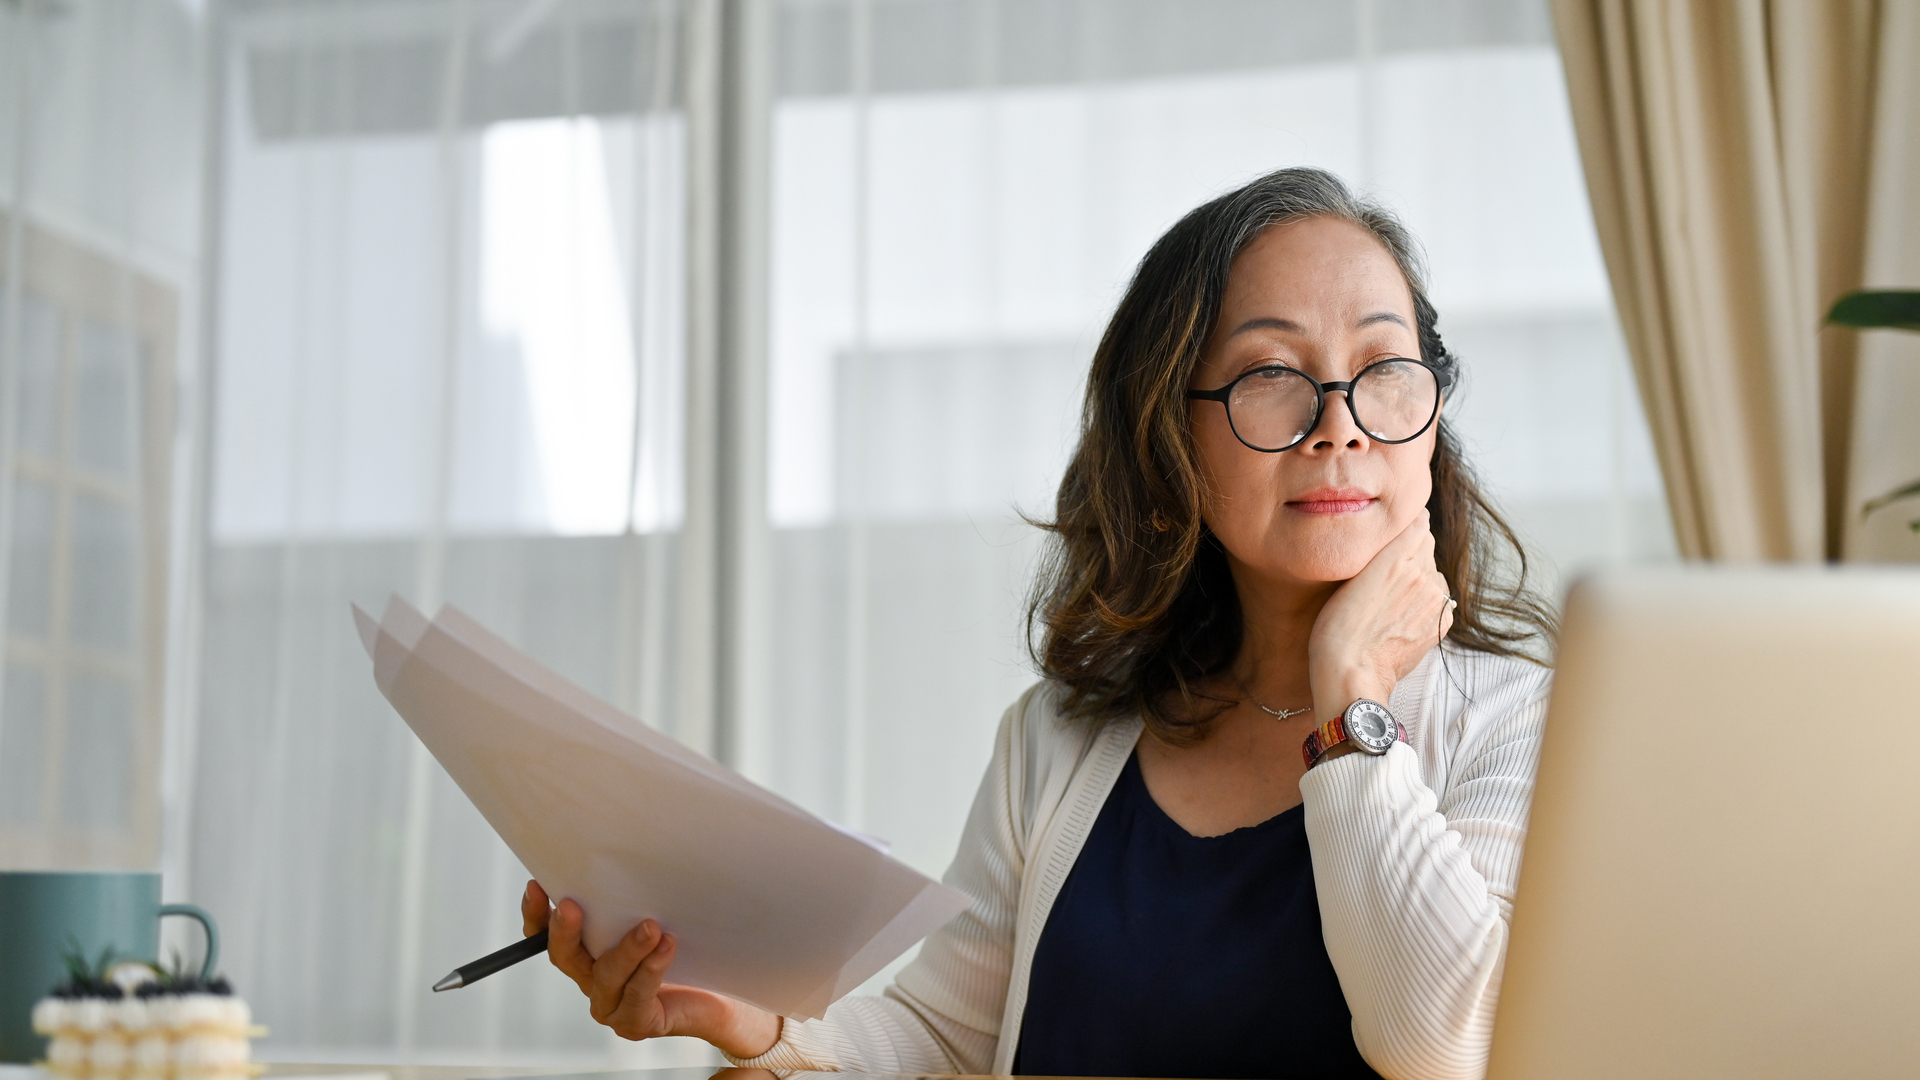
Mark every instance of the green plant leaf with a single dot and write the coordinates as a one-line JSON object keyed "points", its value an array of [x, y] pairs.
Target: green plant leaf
{"points": [[1897, 309], [1904, 491], [74, 957]]}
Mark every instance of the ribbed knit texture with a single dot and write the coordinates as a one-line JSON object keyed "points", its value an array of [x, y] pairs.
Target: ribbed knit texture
{"points": [[1415, 858]]}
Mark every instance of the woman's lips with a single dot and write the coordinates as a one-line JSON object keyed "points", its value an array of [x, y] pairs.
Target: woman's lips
{"points": [[1332, 501]]}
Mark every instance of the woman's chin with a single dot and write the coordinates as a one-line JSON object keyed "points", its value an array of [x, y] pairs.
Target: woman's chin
{"points": [[1313, 569], [1323, 551], [1326, 558], [1322, 572]]}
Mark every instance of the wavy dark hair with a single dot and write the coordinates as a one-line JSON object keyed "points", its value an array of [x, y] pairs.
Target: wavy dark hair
{"points": [[1134, 604]]}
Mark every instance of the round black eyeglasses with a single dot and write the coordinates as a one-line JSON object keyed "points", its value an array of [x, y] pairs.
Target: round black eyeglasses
{"points": [[1275, 408]]}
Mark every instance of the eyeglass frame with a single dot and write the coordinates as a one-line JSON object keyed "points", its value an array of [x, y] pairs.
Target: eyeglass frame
{"points": [[1443, 380]]}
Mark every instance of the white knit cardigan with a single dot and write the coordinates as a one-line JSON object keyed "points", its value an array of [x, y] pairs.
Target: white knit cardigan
{"points": [[1415, 857]]}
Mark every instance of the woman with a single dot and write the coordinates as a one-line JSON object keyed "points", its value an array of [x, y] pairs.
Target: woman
{"points": [[1258, 820]]}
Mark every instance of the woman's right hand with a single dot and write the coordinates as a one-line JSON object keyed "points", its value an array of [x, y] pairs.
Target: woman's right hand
{"points": [[627, 985], [1380, 623]]}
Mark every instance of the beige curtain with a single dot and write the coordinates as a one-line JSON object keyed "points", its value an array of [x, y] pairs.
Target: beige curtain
{"points": [[1730, 150]]}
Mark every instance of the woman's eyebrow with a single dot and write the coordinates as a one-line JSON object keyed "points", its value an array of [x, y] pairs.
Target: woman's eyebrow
{"points": [[1288, 326], [1268, 323]]}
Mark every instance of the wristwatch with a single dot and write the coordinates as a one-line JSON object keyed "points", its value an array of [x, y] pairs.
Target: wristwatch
{"points": [[1367, 724]]}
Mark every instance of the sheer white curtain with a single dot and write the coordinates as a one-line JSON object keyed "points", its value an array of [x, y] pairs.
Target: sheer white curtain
{"points": [[960, 191], [450, 365]]}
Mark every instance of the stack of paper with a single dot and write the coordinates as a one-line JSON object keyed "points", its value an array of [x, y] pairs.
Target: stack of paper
{"points": [[770, 904]]}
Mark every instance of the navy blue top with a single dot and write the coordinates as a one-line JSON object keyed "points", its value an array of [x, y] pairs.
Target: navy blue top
{"points": [[1169, 954]]}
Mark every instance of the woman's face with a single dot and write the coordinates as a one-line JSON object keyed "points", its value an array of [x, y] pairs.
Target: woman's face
{"points": [[1325, 297]]}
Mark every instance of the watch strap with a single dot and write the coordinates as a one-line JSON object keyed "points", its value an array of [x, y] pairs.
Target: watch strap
{"points": [[1332, 734]]}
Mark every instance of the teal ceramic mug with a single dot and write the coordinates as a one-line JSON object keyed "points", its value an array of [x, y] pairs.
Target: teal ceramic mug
{"points": [[45, 915]]}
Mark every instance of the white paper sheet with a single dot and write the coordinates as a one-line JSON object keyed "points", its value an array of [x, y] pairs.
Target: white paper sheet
{"points": [[770, 904]]}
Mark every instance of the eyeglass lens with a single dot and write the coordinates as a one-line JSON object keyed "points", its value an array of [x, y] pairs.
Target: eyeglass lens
{"points": [[1275, 408]]}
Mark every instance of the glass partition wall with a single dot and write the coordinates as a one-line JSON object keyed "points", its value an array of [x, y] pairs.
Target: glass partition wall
{"points": [[716, 353], [97, 233]]}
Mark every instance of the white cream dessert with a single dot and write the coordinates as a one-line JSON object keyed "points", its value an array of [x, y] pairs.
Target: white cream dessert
{"points": [[151, 1026]]}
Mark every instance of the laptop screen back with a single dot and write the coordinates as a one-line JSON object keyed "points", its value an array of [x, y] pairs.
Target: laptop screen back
{"points": [[1722, 872]]}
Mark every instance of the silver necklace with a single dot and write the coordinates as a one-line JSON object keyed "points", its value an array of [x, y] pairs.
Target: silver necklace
{"points": [[1281, 714]]}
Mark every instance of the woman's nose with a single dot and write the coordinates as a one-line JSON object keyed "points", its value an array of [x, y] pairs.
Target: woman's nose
{"points": [[1336, 426]]}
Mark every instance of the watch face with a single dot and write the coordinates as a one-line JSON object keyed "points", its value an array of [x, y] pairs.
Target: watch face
{"points": [[1371, 726]]}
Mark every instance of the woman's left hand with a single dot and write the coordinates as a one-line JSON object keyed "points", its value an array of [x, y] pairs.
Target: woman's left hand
{"points": [[1379, 624]]}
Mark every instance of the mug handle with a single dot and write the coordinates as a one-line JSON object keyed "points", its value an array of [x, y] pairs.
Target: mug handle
{"points": [[206, 923]]}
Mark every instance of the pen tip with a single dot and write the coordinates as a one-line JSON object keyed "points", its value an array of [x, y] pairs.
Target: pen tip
{"points": [[451, 982]]}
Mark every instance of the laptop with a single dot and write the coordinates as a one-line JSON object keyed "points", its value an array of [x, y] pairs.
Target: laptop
{"points": [[1722, 870]]}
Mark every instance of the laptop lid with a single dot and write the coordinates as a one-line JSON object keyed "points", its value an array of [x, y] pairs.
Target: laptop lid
{"points": [[1722, 870]]}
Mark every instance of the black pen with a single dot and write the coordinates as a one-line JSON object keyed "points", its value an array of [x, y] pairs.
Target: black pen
{"points": [[468, 974]]}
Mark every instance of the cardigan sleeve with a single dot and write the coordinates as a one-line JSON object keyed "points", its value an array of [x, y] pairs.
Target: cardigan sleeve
{"points": [[1416, 887], [942, 1013]]}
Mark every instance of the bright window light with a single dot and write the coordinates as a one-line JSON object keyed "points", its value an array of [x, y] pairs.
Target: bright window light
{"points": [[550, 284]]}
